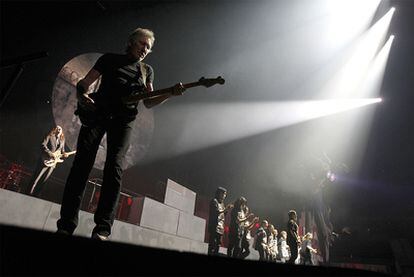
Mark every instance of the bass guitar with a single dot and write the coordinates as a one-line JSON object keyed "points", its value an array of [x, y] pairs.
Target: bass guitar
{"points": [[90, 116]]}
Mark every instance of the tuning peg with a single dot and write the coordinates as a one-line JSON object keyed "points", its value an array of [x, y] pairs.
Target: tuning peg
{"points": [[220, 80]]}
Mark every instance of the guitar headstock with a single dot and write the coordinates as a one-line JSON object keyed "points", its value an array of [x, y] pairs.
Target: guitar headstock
{"points": [[211, 81]]}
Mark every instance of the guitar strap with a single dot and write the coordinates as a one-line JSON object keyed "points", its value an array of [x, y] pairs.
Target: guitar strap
{"points": [[143, 73]]}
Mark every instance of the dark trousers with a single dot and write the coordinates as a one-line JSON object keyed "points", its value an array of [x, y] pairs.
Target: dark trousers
{"points": [[118, 133], [293, 252], [245, 248], [234, 247], [214, 243], [262, 253], [306, 258]]}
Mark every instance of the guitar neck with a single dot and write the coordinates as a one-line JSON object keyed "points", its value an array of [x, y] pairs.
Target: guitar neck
{"points": [[191, 85], [145, 95], [67, 153]]}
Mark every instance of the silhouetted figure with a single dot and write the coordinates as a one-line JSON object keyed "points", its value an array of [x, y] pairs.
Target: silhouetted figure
{"points": [[216, 220], [292, 236], [246, 238], [239, 215], [261, 240], [109, 111]]}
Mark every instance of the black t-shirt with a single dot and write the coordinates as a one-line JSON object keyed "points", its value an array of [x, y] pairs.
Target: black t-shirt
{"points": [[121, 77]]}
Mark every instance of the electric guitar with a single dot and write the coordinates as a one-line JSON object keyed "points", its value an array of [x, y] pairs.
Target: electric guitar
{"points": [[57, 155], [90, 116]]}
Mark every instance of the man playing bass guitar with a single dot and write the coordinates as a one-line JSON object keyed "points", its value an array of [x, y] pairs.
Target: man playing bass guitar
{"points": [[122, 75]]}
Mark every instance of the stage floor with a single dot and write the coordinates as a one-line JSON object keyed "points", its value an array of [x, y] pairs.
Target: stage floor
{"points": [[29, 246]]}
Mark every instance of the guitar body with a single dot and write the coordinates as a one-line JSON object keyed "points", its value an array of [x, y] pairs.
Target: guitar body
{"points": [[52, 162], [58, 158], [90, 117]]}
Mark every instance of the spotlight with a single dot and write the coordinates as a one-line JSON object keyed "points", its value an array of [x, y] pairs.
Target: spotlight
{"points": [[331, 176]]}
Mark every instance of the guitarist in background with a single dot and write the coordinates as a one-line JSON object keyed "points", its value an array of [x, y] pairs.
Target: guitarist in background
{"points": [[122, 75], [53, 147]]}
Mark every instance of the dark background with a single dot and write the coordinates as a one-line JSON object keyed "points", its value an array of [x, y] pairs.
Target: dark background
{"points": [[193, 39]]}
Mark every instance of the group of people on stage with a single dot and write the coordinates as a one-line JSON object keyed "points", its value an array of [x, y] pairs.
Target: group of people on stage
{"points": [[125, 75], [286, 247]]}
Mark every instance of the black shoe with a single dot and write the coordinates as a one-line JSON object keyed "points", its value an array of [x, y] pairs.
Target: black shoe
{"points": [[101, 237]]}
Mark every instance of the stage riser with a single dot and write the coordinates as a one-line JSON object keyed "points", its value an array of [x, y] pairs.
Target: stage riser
{"points": [[23, 211], [29, 212], [191, 227], [158, 216], [179, 197], [26, 211]]}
